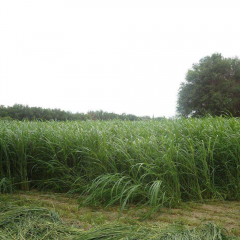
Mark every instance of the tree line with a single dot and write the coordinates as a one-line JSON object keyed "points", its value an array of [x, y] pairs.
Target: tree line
{"points": [[24, 112]]}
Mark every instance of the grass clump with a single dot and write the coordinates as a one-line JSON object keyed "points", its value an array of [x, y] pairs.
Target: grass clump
{"points": [[24, 222], [5, 185]]}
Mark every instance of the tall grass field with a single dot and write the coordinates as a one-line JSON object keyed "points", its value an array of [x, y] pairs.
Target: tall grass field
{"points": [[152, 163]]}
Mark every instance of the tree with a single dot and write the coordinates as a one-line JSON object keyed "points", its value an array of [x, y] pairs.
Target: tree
{"points": [[212, 87]]}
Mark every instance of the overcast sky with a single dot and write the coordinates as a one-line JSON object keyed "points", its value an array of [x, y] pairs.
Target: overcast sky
{"points": [[125, 56]]}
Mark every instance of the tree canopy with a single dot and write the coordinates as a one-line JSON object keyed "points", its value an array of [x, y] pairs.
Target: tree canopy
{"points": [[212, 87]]}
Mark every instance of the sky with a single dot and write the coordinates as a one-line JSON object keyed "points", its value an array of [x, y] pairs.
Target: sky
{"points": [[125, 56]]}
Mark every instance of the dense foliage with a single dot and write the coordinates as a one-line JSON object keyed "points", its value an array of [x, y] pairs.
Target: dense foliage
{"points": [[212, 87], [145, 162], [21, 112]]}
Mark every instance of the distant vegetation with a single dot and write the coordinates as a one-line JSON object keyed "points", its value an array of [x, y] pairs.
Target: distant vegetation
{"points": [[212, 87], [21, 112], [120, 162]]}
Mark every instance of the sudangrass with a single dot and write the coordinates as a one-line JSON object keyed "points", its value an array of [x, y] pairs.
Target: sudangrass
{"points": [[147, 162]]}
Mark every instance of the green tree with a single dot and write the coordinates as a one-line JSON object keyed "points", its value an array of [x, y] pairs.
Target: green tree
{"points": [[212, 87]]}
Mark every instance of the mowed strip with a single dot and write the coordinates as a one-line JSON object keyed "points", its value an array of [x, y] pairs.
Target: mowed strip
{"points": [[225, 214]]}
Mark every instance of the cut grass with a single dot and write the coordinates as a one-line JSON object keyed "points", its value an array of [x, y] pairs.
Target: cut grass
{"points": [[21, 219], [187, 217]]}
